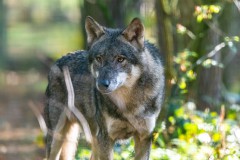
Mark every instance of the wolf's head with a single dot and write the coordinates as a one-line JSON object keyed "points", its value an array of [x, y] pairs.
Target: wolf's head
{"points": [[114, 54]]}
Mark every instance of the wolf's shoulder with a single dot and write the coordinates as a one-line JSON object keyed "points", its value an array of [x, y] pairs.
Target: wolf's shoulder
{"points": [[77, 61], [72, 58]]}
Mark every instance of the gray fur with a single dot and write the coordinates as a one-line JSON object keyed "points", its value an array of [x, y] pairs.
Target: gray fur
{"points": [[118, 84]]}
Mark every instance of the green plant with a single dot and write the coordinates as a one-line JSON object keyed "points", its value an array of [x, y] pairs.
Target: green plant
{"points": [[201, 135]]}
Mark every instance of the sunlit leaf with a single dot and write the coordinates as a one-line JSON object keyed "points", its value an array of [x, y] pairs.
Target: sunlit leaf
{"points": [[236, 38], [172, 120], [191, 74], [232, 115], [226, 39], [211, 62], [213, 114], [40, 140], [207, 63], [214, 8], [182, 84], [191, 128], [216, 137], [179, 112], [199, 18], [155, 136]]}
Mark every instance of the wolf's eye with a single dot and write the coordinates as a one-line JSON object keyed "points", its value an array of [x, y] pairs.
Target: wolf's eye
{"points": [[120, 59], [99, 59]]}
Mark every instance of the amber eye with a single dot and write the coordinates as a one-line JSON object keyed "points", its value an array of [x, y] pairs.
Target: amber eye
{"points": [[120, 59], [99, 59]]}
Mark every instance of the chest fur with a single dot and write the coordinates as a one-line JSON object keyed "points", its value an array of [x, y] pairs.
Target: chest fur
{"points": [[123, 129], [132, 105]]}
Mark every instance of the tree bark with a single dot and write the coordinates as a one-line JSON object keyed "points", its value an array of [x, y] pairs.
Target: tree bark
{"points": [[209, 79], [109, 13], [3, 34], [166, 40], [231, 57]]}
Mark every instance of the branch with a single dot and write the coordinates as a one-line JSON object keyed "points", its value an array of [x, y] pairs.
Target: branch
{"points": [[39, 116], [212, 53], [72, 108], [237, 3]]}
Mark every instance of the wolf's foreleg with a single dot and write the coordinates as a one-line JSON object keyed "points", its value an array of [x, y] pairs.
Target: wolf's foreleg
{"points": [[142, 147], [57, 141], [102, 148], [65, 139], [69, 147]]}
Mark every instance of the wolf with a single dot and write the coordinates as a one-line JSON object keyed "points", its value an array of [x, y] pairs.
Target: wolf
{"points": [[118, 85]]}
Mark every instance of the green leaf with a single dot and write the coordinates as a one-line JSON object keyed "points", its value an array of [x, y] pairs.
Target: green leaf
{"points": [[214, 9], [191, 74], [236, 38], [172, 120], [182, 84], [216, 137], [179, 112], [199, 18]]}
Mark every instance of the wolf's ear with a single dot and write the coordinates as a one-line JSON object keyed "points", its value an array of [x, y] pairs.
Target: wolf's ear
{"points": [[134, 33], [93, 29]]}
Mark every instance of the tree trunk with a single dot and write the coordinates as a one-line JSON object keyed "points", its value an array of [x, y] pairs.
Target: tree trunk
{"points": [[3, 32], [231, 57], [109, 13], [165, 39], [209, 79]]}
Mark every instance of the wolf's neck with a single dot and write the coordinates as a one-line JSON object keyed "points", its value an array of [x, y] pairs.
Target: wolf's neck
{"points": [[121, 97]]}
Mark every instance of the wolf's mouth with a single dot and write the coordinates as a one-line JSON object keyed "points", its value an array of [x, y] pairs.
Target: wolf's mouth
{"points": [[108, 90], [105, 91]]}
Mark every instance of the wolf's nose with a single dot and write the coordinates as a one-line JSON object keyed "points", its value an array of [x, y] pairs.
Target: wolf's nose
{"points": [[105, 83]]}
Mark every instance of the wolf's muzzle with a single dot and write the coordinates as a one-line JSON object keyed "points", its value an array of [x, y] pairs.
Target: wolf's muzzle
{"points": [[104, 83]]}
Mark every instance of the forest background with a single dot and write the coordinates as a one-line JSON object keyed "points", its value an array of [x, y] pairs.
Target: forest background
{"points": [[199, 42]]}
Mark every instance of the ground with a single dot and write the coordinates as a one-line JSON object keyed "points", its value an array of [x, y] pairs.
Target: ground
{"points": [[19, 127]]}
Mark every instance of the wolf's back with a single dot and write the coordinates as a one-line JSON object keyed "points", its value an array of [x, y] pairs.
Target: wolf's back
{"points": [[56, 90]]}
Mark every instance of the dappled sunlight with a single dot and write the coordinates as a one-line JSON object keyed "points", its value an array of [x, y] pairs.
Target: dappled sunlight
{"points": [[19, 126], [12, 79], [21, 80]]}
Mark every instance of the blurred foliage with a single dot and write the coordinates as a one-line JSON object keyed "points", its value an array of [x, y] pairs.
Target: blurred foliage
{"points": [[42, 30], [192, 134], [199, 135], [44, 40], [205, 12]]}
